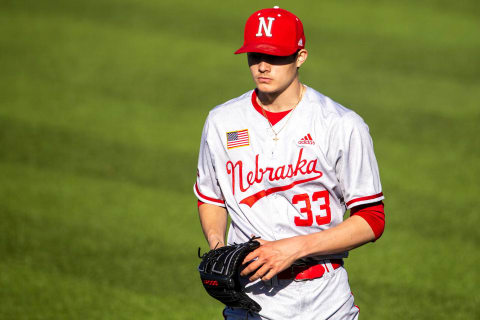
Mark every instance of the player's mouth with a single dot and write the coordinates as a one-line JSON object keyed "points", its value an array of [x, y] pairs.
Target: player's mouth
{"points": [[264, 80]]}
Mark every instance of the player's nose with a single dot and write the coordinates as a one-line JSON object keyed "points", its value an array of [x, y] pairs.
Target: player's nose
{"points": [[263, 66]]}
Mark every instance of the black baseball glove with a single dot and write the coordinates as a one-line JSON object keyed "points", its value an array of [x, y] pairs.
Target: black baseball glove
{"points": [[220, 273]]}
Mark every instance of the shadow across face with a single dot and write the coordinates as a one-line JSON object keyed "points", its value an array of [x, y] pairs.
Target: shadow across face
{"points": [[256, 58]]}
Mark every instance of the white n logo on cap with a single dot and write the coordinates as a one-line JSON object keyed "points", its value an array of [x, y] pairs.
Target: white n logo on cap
{"points": [[263, 25]]}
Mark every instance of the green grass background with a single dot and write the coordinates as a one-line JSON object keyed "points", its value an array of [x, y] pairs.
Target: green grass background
{"points": [[101, 108]]}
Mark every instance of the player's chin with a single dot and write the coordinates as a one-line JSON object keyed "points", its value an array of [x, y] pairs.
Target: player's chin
{"points": [[266, 87]]}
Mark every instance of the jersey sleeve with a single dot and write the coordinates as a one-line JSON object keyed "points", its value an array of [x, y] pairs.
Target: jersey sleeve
{"points": [[356, 165], [206, 187]]}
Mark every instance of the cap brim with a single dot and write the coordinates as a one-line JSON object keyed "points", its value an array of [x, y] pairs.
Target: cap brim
{"points": [[267, 49]]}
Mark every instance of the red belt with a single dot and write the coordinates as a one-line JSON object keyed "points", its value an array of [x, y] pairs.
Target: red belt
{"points": [[309, 271]]}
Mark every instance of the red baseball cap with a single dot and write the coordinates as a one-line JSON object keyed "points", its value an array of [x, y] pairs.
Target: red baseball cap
{"points": [[273, 31]]}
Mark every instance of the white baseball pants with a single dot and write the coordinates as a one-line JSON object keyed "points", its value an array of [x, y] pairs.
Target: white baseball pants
{"points": [[328, 297]]}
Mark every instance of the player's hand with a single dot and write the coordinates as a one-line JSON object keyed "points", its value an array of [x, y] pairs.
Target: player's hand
{"points": [[271, 258]]}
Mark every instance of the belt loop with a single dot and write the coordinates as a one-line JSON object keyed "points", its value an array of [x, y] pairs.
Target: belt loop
{"points": [[328, 265], [274, 281]]}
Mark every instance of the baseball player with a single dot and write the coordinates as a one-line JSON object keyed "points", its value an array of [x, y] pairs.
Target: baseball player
{"points": [[285, 163]]}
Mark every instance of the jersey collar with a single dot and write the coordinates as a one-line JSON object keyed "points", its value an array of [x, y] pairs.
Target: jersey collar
{"points": [[273, 117]]}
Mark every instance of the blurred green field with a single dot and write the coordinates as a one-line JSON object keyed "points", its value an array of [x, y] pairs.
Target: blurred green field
{"points": [[101, 108]]}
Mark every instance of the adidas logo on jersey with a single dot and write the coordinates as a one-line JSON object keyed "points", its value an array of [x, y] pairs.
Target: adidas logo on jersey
{"points": [[307, 140]]}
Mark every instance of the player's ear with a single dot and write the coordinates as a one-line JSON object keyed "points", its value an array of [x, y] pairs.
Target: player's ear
{"points": [[301, 57]]}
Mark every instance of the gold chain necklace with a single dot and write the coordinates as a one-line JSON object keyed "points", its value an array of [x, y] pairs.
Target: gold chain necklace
{"points": [[289, 115]]}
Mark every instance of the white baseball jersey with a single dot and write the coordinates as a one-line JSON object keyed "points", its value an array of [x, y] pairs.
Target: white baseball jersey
{"points": [[321, 165]]}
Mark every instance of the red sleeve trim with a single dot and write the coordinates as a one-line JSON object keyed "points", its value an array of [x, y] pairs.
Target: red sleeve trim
{"points": [[207, 198], [349, 203], [374, 214], [199, 203]]}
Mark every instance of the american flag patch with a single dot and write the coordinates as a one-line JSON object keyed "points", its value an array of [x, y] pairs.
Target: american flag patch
{"points": [[238, 139]]}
